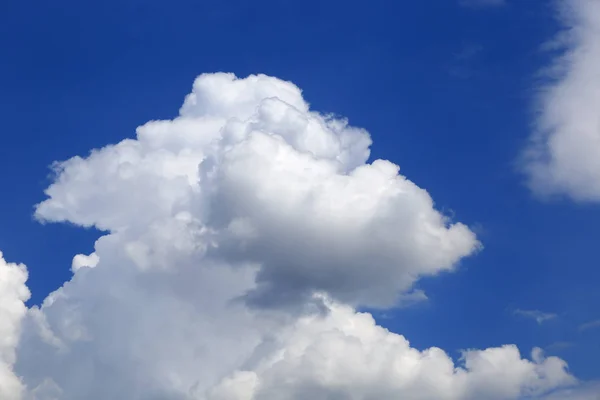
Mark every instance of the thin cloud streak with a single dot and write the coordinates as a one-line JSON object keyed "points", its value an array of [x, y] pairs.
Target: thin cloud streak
{"points": [[590, 325], [539, 316]]}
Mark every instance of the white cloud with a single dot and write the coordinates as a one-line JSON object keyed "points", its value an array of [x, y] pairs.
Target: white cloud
{"points": [[539, 316], [265, 180], [564, 155], [344, 355], [13, 294], [218, 223], [83, 261]]}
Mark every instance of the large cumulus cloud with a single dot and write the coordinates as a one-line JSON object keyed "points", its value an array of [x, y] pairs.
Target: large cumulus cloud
{"points": [[268, 182], [563, 157], [239, 239]]}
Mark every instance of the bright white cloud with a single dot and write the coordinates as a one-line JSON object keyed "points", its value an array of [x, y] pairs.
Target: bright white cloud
{"points": [[218, 223], [564, 155], [13, 294], [83, 261], [265, 180]]}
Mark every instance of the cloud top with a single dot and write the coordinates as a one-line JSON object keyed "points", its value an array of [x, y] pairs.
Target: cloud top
{"points": [[268, 181]]}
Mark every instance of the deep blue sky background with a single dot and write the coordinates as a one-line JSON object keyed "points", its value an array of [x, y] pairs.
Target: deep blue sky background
{"points": [[446, 92]]}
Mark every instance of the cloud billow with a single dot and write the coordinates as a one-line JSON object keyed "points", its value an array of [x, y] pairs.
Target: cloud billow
{"points": [[218, 223], [271, 183]]}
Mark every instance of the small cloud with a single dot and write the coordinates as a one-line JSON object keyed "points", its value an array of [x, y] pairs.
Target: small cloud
{"points": [[589, 325], [83, 261], [556, 346], [482, 3], [537, 315]]}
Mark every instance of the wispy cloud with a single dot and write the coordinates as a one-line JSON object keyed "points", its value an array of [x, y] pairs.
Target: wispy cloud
{"points": [[590, 325], [556, 346], [537, 315], [482, 3]]}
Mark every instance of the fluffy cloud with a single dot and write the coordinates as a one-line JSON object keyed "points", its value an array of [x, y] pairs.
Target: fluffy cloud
{"points": [[83, 261], [121, 331], [13, 294], [217, 224], [564, 155], [345, 355], [264, 180]]}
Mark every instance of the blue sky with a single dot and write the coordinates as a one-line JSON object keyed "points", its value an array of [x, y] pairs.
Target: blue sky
{"points": [[447, 91]]}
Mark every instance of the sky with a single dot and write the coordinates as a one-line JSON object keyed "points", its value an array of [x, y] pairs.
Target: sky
{"points": [[279, 200]]}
